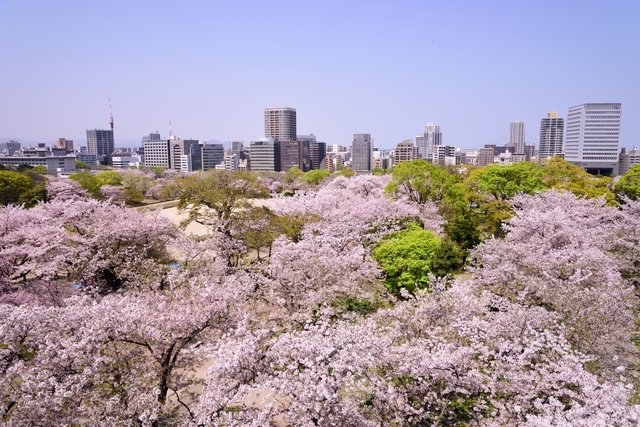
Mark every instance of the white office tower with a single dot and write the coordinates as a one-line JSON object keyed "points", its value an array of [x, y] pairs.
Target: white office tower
{"points": [[551, 136], [593, 137], [516, 136], [430, 138]]}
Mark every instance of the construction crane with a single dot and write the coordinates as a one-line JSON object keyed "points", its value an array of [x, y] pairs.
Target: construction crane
{"points": [[110, 116]]}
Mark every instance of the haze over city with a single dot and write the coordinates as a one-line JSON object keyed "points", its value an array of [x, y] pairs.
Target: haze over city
{"points": [[386, 69]]}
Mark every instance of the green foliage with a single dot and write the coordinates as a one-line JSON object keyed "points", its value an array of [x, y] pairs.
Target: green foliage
{"points": [[629, 184], [448, 259], [346, 172], [89, 182], [82, 165], [41, 169], [504, 182], [420, 181], [462, 229], [405, 257], [562, 175], [292, 175], [216, 197], [21, 188], [378, 171], [315, 177], [109, 178], [133, 197], [292, 225]]}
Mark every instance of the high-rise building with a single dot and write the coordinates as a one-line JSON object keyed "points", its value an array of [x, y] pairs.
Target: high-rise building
{"points": [[486, 155], [65, 144], [262, 156], [185, 147], [516, 136], [405, 151], [431, 137], [362, 152], [156, 153], [280, 124], [9, 148], [100, 142], [628, 160], [593, 137], [551, 136]]}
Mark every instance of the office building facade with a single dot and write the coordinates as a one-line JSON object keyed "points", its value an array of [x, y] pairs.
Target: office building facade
{"points": [[280, 124], [593, 137], [362, 152], [551, 136], [425, 142]]}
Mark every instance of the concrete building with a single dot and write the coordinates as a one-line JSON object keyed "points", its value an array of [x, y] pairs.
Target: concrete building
{"points": [[551, 136], [211, 155], [431, 137], [262, 155], [9, 148], [628, 160], [65, 144], [362, 152], [280, 124], [156, 153], [593, 137], [100, 143], [405, 151], [516, 137], [185, 147], [54, 165], [486, 155]]}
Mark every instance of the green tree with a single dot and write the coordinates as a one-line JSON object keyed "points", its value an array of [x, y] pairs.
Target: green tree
{"points": [[19, 188], [420, 181], [109, 178], [629, 184], [216, 197], [346, 172], [40, 169], [405, 257], [315, 177], [448, 259], [503, 182], [82, 165], [89, 182], [562, 175]]}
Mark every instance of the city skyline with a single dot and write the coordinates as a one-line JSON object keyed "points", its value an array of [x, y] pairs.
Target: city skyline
{"points": [[215, 81]]}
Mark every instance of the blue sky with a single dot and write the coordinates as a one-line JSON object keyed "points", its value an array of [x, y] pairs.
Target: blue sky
{"points": [[384, 68]]}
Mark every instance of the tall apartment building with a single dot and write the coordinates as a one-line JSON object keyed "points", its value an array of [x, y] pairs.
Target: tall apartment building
{"points": [[362, 152], [431, 137], [593, 137], [486, 155], [100, 143], [628, 160], [516, 136], [405, 151], [551, 136], [280, 123]]}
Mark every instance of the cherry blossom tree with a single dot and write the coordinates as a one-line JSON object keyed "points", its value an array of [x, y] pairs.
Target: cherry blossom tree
{"points": [[445, 358]]}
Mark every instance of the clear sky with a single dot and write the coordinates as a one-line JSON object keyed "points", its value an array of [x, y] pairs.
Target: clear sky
{"points": [[351, 66]]}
